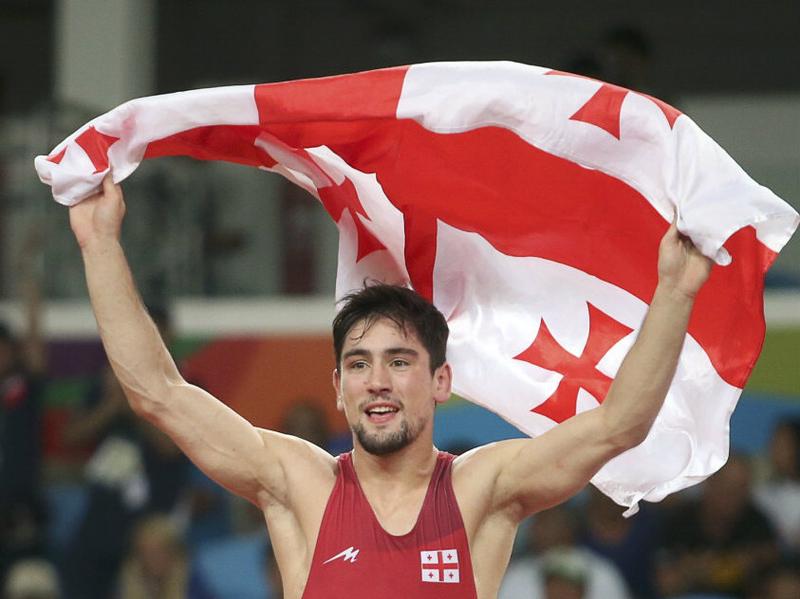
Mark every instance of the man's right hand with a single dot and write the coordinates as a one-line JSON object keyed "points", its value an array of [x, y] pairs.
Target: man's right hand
{"points": [[99, 217]]}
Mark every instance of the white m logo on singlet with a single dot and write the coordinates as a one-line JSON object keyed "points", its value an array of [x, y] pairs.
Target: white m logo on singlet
{"points": [[348, 554]]}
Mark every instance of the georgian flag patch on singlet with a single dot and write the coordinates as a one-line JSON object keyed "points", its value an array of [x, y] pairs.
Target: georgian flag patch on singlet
{"points": [[439, 566]]}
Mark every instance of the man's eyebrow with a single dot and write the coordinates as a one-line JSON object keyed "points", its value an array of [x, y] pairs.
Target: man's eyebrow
{"points": [[355, 352], [401, 350], [392, 351]]}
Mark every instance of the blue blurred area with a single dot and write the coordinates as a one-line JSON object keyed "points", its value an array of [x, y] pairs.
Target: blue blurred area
{"points": [[461, 424], [466, 425], [755, 418], [235, 568]]}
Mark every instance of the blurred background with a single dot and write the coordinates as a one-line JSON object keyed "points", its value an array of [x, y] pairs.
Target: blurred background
{"points": [[238, 268]]}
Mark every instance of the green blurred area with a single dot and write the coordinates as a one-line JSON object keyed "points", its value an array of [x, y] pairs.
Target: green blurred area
{"points": [[184, 347], [778, 369], [66, 393]]}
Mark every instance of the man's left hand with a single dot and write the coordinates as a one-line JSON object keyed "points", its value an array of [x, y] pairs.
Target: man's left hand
{"points": [[681, 266]]}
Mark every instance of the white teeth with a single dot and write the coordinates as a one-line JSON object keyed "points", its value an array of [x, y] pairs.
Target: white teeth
{"points": [[382, 410]]}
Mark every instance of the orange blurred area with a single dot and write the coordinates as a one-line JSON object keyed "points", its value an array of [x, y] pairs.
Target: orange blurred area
{"points": [[262, 377]]}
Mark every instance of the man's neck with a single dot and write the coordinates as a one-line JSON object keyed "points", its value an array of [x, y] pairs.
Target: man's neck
{"points": [[406, 467]]}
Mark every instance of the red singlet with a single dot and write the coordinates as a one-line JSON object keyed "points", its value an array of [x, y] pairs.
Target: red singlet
{"points": [[356, 558]]}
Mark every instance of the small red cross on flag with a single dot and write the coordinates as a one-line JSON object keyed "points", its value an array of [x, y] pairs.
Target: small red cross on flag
{"points": [[439, 566]]}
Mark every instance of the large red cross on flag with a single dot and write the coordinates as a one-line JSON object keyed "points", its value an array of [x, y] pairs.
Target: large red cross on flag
{"points": [[527, 204]]}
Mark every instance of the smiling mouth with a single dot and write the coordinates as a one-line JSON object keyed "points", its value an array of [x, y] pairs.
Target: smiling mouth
{"points": [[379, 414]]}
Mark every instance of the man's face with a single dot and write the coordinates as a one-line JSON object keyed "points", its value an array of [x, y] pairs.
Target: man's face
{"points": [[385, 387]]}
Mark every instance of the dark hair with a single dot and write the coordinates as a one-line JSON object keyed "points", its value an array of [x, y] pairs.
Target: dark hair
{"points": [[406, 308]]}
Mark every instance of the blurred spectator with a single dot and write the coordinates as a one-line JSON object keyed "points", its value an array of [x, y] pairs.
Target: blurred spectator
{"points": [[105, 409], [779, 496], [22, 368], [718, 543], [629, 543], [32, 579], [307, 420], [566, 575], [205, 510], [557, 565], [157, 567], [586, 65], [625, 56], [780, 582], [135, 470]]}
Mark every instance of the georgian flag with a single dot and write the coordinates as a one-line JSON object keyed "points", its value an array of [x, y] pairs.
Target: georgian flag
{"points": [[440, 566], [527, 203]]}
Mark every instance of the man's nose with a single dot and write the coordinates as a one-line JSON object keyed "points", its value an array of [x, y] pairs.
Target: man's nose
{"points": [[378, 380]]}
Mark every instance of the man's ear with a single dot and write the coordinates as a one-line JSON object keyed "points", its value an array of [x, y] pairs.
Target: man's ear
{"points": [[443, 382], [338, 389]]}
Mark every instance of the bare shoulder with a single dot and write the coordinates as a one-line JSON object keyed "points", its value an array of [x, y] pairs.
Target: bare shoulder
{"points": [[475, 474], [306, 470], [486, 460], [489, 479], [295, 445]]}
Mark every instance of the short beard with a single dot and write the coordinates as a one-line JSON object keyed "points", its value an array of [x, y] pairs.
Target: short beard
{"points": [[381, 445]]}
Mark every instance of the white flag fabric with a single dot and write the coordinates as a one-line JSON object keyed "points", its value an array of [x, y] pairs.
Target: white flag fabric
{"points": [[526, 203]]}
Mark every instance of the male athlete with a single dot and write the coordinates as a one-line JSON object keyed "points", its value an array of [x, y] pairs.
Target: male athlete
{"points": [[396, 518]]}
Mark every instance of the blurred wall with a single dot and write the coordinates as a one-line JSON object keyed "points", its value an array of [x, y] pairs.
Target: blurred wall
{"points": [[197, 229], [711, 46], [257, 40]]}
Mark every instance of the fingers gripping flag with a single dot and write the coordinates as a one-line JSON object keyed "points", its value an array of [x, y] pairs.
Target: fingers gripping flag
{"points": [[527, 203]]}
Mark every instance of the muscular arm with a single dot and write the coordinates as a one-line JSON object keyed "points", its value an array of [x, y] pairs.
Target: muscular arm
{"points": [[218, 440], [534, 474]]}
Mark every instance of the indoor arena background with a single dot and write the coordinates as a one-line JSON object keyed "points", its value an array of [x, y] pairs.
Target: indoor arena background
{"points": [[242, 266]]}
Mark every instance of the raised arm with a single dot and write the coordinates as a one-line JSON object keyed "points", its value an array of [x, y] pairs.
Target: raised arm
{"points": [[534, 474], [230, 450]]}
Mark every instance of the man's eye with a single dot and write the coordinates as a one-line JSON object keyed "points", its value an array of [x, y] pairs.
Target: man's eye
{"points": [[358, 365], [399, 363]]}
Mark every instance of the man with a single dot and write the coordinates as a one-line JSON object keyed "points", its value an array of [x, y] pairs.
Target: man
{"points": [[23, 368], [134, 470], [556, 560], [462, 514], [720, 541]]}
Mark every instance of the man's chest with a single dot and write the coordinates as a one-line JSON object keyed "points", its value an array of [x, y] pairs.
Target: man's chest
{"points": [[357, 564], [395, 548]]}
